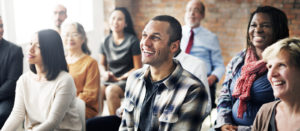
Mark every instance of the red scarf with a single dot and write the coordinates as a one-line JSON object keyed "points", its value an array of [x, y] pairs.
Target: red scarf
{"points": [[251, 70]]}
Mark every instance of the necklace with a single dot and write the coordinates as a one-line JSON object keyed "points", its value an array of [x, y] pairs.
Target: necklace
{"points": [[73, 58]]}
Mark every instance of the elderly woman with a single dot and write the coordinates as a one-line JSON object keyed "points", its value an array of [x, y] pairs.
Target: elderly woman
{"points": [[246, 88], [83, 68], [284, 72]]}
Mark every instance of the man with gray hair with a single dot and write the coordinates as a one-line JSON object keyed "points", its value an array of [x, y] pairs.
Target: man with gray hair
{"points": [[59, 16], [201, 43]]}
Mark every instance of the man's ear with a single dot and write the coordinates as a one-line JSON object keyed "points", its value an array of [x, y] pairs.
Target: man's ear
{"points": [[175, 46]]}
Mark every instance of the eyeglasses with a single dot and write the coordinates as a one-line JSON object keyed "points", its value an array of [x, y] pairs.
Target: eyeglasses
{"points": [[72, 35], [59, 12]]}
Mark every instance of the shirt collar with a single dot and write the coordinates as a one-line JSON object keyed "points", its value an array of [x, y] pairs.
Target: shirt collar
{"points": [[195, 30], [173, 78]]}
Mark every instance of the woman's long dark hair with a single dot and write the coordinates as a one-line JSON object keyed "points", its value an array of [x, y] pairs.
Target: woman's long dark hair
{"points": [[52, 52], [279, 23], [129, 28]]}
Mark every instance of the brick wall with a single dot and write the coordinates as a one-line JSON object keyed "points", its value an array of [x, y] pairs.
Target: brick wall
{"points": [[226, 18]]}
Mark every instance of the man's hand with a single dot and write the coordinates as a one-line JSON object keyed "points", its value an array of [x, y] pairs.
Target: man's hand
{"points": [[228, 127], [211, 80]]}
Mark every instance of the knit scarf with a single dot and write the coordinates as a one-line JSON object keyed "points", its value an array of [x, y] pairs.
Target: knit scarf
{"points": [[251, 70]]}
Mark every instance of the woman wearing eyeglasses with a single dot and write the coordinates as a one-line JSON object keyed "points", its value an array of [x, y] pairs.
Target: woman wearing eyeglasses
{"points": [[82, 67]]}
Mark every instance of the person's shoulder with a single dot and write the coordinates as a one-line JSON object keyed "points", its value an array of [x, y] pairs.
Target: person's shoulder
{"points": [[139, 72], [108, 38], [207, 32], [195, 60], [131, 37], [187, 77], [11, 45], [89, 59], [190, 77], [63, 75], [26, 75], [239, 55], [269, 106]]}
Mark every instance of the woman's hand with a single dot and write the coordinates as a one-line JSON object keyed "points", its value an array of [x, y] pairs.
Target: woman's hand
{"points": [[112, 77], [228, 127], [109, 76]]}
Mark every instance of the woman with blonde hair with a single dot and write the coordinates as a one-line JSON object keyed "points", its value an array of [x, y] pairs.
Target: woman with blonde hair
{"points": [[82, 67], [283, 63]]}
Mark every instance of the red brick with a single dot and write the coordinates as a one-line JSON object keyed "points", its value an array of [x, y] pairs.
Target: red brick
{"points": [[227, 18]]}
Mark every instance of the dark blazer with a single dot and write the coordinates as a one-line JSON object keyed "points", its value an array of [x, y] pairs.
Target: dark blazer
{"points": [[11, 68]]}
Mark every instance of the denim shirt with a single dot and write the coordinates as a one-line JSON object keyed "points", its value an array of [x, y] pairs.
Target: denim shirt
{"points": [[261, 92]]}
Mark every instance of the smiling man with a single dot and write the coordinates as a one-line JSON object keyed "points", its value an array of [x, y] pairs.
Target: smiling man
{"points": [[163, 96]]}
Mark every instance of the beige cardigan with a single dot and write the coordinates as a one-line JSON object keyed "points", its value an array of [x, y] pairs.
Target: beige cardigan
{"points": [[262, 120]]}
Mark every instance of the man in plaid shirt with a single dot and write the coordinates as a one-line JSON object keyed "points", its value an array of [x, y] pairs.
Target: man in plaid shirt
{"points": [[163, 96]]}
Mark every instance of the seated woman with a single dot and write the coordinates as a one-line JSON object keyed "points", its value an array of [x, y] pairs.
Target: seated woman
{"points": [[83, 68], [284, 72], [119, 55], [246, 88], [45, 96]]}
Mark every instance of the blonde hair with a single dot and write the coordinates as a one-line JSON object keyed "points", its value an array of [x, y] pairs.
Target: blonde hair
{"points": [[288, 46]]}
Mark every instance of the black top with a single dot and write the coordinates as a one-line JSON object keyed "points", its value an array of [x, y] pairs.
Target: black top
{"points": [[272, 125], [119, 58], [148, 116], [11, 68]]}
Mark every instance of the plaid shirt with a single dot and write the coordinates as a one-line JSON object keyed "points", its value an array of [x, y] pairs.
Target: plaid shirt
{"points": [[180, 106]]}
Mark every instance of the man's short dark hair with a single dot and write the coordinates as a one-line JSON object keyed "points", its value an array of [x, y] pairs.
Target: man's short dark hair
{"points": [[174, 30], [52, 53]]}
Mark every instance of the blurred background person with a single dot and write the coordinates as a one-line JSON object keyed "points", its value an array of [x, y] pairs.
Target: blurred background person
{"points": [[83, 68], [203, 44], [119, 56], [11, 68], [46, 95], [246, 87], [284, 72], [59, 16]]}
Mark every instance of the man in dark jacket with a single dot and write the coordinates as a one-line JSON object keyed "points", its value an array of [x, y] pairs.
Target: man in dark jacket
{"points": [[11, 67]]}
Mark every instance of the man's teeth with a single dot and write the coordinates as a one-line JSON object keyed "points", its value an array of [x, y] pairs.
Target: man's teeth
{"points": [[150, 52]]}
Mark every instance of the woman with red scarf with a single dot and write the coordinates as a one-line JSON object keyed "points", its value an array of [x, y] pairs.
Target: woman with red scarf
{"points": [[246, 87]]}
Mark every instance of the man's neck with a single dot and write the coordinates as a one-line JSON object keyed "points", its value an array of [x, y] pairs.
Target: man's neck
{"points": [[160, 72], [195, 26]]}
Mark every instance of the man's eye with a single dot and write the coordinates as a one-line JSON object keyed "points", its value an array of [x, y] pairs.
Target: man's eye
{"points": [[155, 38]]}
